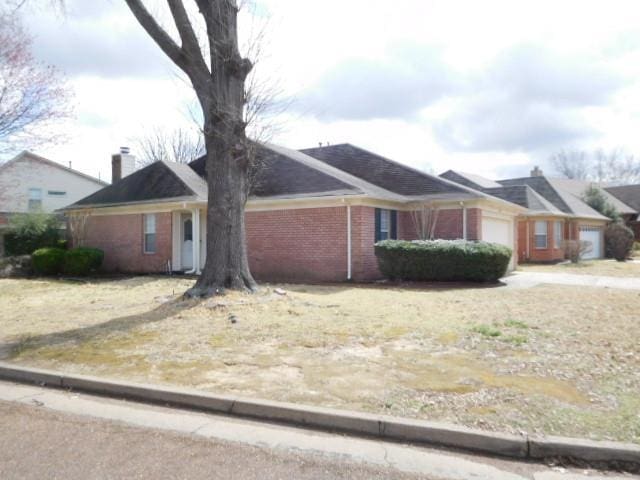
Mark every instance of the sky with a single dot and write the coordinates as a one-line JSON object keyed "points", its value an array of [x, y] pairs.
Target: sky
{"points": [[491, 87]]}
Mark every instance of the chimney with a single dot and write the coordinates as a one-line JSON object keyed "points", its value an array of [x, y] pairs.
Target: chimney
{"points": [[536, 172], [122, 164]]}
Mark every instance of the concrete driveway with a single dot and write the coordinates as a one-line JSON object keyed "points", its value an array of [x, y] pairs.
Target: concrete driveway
{"points": [[531, 279]]}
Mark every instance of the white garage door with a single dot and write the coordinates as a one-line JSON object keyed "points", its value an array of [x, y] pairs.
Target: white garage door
{"points": [[593, 235], [497, 230]]}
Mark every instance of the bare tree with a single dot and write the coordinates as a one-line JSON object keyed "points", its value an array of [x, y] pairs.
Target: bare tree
{"points": [[33, 96], [425, 219], [180, 146], [78, 228], [217, 73], [614, 166]]}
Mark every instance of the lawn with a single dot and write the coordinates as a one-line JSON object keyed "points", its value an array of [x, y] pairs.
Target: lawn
{"points": [[550, 359], [609, 268]]}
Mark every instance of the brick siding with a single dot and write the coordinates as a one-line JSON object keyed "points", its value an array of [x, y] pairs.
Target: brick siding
{"points": [[302, 245], [120, 236]]}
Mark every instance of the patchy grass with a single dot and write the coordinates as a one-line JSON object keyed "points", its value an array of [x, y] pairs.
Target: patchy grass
{"points": [[608, 268], [550, 359]]}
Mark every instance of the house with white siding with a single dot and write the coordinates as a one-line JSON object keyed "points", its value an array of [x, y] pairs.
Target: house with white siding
{"points": [[31, 183]]}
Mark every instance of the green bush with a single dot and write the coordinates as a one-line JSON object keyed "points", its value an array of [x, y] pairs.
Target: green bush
{"points": [[442, 260], [618, 240], [47, 261], [82, 261], [31, 231]]}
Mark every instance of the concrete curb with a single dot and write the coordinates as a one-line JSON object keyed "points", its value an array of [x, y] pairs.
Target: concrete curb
{"points": [[380, 426]]}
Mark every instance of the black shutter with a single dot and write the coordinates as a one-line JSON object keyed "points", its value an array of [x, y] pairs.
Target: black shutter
{"points": [[394, 225], [378, 234]]}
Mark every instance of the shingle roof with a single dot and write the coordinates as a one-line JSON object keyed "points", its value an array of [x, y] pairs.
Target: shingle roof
{"points": [[578, 187], [628, 194], [382, 172], [279, 176], [469, 179], [526, 197], [554, 192], [157, 181]]}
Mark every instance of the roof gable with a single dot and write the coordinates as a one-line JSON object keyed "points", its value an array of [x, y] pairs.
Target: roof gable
{"points": [[469, 179], [26, 155], [629, 194], [157, 181]]}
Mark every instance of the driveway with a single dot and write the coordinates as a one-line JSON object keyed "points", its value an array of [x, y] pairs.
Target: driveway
{"points": [[523, 280]]}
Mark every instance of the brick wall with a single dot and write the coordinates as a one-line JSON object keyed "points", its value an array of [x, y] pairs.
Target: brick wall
{"points": [[303, 245], [549, 254], [474, 224], [363, 234], [120, 236], [448, 225]]}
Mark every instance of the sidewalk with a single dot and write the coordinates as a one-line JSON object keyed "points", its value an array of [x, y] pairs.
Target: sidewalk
{"points": [[531, 279], [51, 432]]}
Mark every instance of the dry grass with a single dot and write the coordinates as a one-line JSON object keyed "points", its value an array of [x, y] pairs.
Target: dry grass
{"points": [[558, 360], [609, 268]]}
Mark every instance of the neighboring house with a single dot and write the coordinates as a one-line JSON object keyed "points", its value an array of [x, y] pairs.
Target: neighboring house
{"points": [[555, 213], [30, 183], [312, 215], [629, 195]]}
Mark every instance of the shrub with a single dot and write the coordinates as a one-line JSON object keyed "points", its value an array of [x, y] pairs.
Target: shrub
{"points": [[82, 261], [47, 261], [31, 231], [619, 241], [575, 249], [442, 260]]}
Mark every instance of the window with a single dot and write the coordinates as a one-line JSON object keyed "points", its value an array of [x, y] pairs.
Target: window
{"points": [[150, 233], [541, 235], [35, 199], [386, 224], [558, 233], [56, 193]]}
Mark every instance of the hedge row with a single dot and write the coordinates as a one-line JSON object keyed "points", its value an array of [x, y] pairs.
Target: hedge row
{"points": [[77, 261], [442, 260]]}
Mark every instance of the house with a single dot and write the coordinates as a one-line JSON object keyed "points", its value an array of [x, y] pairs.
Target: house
{"points": [[629, 195], [30, 183], [312, 215], [555, 212]]}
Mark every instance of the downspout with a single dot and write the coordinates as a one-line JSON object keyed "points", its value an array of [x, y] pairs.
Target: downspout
{"points": [[528, 241], [348, 242], [464, 221]]}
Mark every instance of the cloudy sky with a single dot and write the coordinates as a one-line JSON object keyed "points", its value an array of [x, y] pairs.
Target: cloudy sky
{"points": [[489, 87]]}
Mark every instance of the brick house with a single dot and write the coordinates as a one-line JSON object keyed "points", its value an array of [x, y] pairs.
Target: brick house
{"points": [[555, 213], [312, 216], [629, 195]]}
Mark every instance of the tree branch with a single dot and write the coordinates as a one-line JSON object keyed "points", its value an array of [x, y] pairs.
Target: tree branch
{"points": [[190, 44], [157, 33]]}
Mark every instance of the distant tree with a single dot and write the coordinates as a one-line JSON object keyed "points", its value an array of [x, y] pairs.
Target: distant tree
{"points": [[600, 166], [594, 197], [33, 96], [180, 146]]}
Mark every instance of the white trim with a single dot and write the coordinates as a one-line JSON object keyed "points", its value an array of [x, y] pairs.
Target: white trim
{"points": [[348, 242]]}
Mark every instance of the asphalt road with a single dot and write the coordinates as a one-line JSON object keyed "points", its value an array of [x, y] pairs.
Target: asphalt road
{"points": [[42, 444]]}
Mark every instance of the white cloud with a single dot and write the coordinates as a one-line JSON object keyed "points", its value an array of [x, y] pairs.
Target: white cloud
{"points": [[440, 83]]}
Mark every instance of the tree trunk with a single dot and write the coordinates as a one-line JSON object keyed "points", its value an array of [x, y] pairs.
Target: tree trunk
{"points": [[226, 264], [220, 91]]}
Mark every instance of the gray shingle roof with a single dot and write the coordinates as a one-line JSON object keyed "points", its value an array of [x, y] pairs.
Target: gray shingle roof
{"points": [[553, 191], [153, 182], [469, 179], [628, 194], [526, 197], [382, 172]]}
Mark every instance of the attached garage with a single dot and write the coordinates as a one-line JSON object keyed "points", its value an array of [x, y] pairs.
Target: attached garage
{"points": [[499, 230], [592, 235]]}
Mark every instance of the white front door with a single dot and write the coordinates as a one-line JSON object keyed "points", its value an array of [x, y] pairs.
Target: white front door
{"points": [[187, 243], [592, 235]]}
